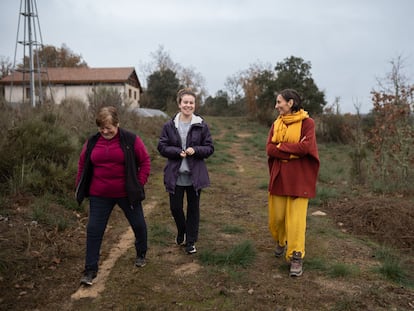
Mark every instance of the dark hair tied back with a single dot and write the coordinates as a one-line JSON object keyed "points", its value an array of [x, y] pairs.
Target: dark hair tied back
{"points": [[289, 94]]}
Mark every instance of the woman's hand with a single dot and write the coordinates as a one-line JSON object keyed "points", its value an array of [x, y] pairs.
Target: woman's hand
{"points": [[190, 151]]}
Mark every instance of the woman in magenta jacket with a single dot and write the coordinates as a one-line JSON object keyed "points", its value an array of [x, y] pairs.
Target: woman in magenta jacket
{"points": [[186, 142], [113, 168], [293, 167]]}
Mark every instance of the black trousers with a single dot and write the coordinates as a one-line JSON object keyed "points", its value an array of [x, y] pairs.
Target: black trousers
{"points": [[99, 211], [186, 224]]}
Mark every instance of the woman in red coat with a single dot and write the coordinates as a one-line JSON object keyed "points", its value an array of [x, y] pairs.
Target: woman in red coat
{"points": [[293, 167]]}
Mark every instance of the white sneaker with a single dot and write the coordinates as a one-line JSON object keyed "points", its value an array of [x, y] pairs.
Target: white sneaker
{"points": [[190, 249]]}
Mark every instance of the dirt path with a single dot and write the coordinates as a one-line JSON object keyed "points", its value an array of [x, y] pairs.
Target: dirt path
{"points": [[341, 269], [126, 241]]}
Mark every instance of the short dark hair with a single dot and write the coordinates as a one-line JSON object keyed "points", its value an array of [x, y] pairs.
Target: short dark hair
{"points": [[107, 114], [289, 94], [185, 91]]}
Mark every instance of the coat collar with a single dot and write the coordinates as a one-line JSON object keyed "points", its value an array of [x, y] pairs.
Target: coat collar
{"points": [[196, 119]]}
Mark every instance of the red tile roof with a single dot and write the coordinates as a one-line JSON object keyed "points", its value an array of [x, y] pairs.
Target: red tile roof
{"points": [[78, 75]]}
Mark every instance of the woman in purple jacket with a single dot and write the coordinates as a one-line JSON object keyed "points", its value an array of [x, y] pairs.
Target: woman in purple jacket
{"points": [[186, 141], [113, 168]]}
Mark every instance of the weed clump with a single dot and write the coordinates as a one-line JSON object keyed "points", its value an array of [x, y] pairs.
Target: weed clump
{"points": [[242, 254]]}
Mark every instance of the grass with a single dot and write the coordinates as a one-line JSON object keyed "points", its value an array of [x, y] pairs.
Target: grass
{"points": [[234, 205], [221, 155], [229, 229], [159, 234], [263, 185], [316, 263], [347, 304], [69, 204], [333, 270], [230, 137], [322, 226], [392, 268], [334, 164], [242, 254], [323, 195], [341, 270], [48, 213]]}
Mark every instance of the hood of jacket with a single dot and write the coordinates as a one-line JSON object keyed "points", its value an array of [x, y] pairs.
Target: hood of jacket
{"points": [[195, 119]]}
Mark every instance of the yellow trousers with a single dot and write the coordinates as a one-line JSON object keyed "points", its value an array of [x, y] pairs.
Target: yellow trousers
{"points": [[287, 222]]}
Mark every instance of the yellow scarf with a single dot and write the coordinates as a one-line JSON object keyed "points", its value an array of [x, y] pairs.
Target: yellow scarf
{"points": [[287, 128]]}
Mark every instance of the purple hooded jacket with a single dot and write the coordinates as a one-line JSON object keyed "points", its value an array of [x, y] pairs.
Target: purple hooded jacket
{"points": [[169, 146]]}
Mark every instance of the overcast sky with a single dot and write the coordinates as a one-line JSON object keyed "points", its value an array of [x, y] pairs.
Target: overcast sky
{"points": [[349, 43]]}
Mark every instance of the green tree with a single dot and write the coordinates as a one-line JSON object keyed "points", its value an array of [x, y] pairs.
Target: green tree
{"points": [[266, 86], [295, 73], [260, 83], [216, 106], [162, 69], [162, 88]]}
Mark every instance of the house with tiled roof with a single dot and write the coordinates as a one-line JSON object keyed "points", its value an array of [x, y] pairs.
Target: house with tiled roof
{"points": [[77, 82]]}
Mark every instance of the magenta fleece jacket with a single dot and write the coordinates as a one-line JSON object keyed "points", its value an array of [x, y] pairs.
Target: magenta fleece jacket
{"points": [[108, 162]]}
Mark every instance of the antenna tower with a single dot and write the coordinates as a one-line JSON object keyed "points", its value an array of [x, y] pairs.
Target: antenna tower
{"points": [[32, 42]]}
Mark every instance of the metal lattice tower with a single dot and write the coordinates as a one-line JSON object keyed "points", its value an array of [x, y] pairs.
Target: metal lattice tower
{"points": [[31, 41]]}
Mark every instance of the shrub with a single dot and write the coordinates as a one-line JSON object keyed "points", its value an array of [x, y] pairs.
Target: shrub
{"points": [[331, 128], [36, 154], [104, 96], [48, 213]]}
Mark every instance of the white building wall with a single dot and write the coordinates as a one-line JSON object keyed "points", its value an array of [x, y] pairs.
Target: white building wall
{"points": [[61, 92], [80, 92], [17, 95]]}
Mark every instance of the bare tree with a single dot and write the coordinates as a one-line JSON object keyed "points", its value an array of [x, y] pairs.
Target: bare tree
{"points": [[162, 60], [187, 76], [51, 56], [251, 85], [5, 66], [358, 152], [234, 87], [190, 78], [395, 79], [392, 136]]}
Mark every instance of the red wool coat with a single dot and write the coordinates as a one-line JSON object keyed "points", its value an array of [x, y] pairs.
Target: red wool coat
{"points": [[294, 177]]}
